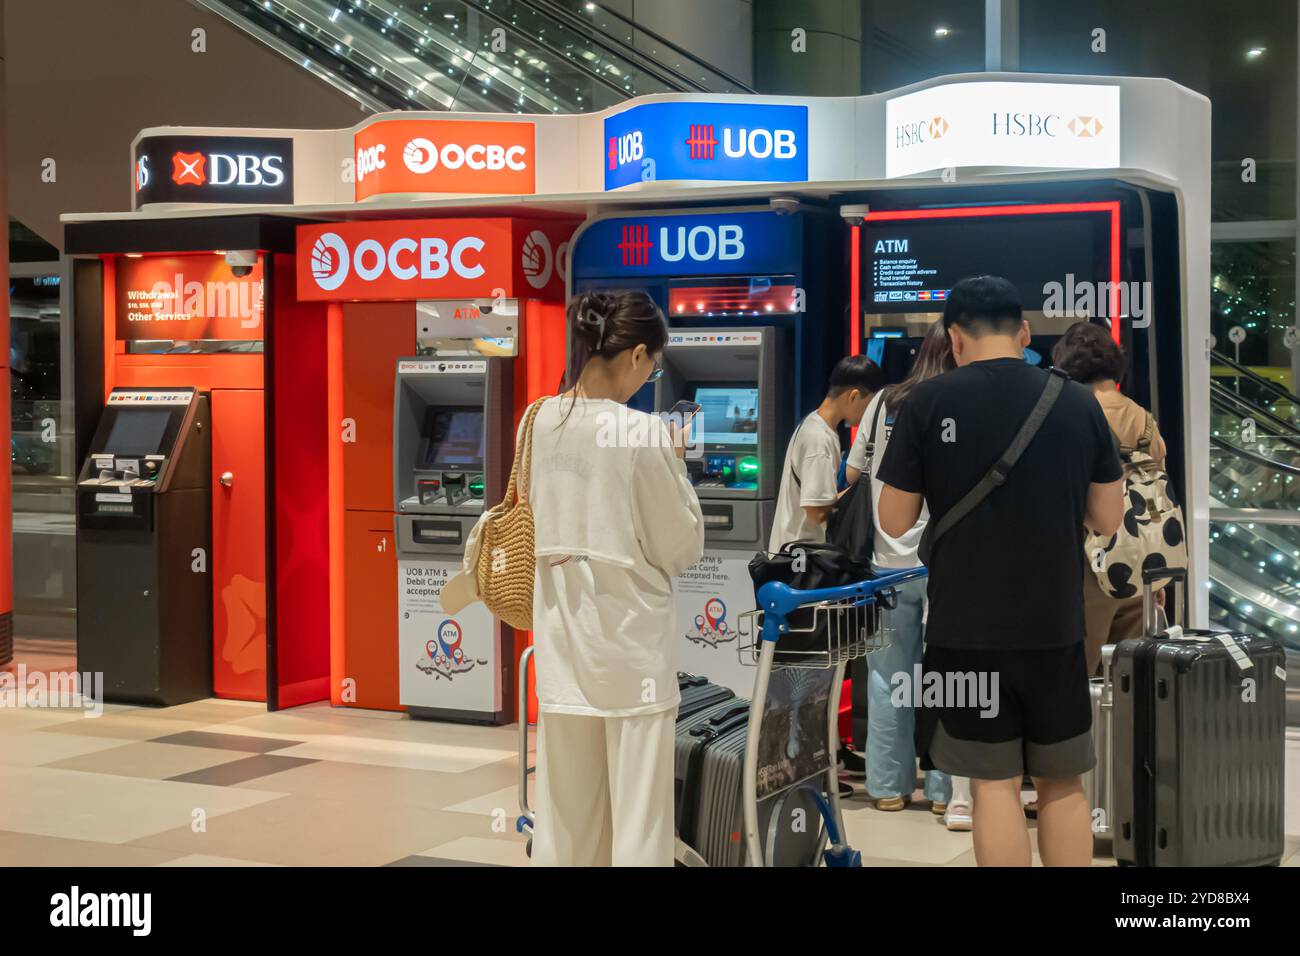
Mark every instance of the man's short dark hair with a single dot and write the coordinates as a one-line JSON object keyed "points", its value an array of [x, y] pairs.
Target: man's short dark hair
{"points": [[855, 371], [983, 304]]}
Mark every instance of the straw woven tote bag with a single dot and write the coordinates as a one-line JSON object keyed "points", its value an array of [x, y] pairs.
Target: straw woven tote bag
{"points": [[507, 554]]}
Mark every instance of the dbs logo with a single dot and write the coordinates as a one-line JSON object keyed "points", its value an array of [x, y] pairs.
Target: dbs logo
{"points": [[188, 169]]}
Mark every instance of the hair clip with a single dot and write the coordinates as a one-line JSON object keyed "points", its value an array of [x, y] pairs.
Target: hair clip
{"points": [[599, 320]]}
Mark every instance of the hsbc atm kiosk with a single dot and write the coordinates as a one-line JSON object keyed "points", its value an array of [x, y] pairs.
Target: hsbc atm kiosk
{"points": [[144, 528], [453, 444]]}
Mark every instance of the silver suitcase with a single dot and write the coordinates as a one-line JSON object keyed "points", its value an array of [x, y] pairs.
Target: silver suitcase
{"points": [[1098, 783]]}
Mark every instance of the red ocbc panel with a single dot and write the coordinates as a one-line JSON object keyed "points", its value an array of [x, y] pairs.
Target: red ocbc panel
{"points": [[238, 544]]}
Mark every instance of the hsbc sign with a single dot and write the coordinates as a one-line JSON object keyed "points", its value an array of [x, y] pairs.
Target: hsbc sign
{"points": [[214, 169], [995, 124]]}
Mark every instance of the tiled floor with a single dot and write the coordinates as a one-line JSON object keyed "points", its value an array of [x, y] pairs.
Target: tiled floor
{"points": [[224, 783]]}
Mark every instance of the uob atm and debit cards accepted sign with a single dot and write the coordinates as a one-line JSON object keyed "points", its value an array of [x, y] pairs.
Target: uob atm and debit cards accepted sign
{"points": [[736, 142]]}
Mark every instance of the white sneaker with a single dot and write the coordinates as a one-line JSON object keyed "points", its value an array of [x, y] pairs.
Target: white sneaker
{"points": [[958, 816]]}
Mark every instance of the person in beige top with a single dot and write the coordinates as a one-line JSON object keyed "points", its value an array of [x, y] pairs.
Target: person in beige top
{"points": [[1089, 356]]}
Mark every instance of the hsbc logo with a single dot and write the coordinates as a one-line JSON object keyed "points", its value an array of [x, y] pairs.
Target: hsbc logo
{"points": [[920, 131], [405, 259], [700, 243], [1045, 124], [224, 169]]}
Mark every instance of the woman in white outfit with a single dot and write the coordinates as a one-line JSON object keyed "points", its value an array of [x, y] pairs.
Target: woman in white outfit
{"points": [[616, 520]]}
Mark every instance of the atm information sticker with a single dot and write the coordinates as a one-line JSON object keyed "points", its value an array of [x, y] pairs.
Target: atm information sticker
{"points": [[445, 660], [441, 367], [709, 598]]}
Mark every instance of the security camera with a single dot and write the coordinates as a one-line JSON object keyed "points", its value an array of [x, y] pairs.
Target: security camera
{"points": [[241, 261], [784, 205]]}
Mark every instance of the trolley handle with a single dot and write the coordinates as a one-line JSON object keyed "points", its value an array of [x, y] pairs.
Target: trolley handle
{"points": [[778, 600]]}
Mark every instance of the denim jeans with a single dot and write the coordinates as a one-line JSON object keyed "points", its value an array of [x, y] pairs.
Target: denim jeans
{"points": [[891, 750]]}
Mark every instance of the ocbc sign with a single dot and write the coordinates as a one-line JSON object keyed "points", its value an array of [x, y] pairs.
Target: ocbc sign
{"points": [[407, 258], [444, 156]]}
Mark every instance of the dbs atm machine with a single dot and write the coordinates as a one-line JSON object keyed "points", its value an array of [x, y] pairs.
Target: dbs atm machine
{"points": [[453, 444], [144, 528]]}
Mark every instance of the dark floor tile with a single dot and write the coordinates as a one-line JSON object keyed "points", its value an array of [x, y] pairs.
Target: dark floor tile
{"points": [[240, 771], [204, 738]]}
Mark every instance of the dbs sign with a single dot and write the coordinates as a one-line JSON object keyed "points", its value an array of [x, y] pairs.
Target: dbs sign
{"points": [[445, 156]]}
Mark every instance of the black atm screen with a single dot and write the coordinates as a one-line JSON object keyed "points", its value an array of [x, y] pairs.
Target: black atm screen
{"points": [[728, 416], [453, 437], [909, 265], [137, 432]]}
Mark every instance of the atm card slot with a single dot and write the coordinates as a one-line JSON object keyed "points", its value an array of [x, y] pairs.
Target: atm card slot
{"points": [[717, 517], [436, 532]]}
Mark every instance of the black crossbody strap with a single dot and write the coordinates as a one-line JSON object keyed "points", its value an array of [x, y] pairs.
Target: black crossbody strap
{"points": [[871, 438], [794, 474], [998, 473]]}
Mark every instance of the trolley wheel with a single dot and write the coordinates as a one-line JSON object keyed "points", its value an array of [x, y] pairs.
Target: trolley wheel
{"points": [[528, 848]]}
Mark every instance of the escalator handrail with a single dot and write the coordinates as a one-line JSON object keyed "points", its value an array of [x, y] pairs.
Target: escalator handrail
{"points": [[1221, 396], [1225, 445], [596, 75], [1219, 358], [559, 12]]}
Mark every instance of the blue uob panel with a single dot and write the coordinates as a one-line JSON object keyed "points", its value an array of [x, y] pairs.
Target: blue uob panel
{"points": [[737, 142], [716, 244]]}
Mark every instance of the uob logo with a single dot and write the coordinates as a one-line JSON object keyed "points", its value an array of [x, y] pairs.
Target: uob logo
{"points": [[700, 243], [739, 142]]}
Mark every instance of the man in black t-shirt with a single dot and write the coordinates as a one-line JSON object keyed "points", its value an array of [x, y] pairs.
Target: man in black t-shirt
{"points": [[1006, 601]]}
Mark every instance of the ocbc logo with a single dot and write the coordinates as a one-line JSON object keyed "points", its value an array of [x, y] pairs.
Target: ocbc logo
{"points": [[429, 257], [422, 156], [370, 160]]}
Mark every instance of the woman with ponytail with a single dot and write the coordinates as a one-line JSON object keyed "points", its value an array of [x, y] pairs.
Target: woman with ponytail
{"points": [[616, 519]]}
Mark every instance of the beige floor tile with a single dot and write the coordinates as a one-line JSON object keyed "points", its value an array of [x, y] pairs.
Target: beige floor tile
{"points": [[32, 849], [364, 725], [108, 809], [489, 804], [301, 831], [199, 859], [153, 761], [481, 850], [128, 726], [39, 718], [373, 784], [414, 755], [906, 835], [32, 749]]}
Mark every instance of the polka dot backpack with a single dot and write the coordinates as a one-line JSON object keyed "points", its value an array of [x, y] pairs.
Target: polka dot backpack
{"points": [[1152, 534]]}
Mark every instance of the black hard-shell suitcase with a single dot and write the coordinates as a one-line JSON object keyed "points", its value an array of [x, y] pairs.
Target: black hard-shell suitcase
{"points": [[1199, 722], [697, 693]]}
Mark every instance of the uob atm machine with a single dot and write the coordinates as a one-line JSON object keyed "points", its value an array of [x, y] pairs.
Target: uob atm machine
{"points": [[144, 500], [747, 294], [453, 444]]}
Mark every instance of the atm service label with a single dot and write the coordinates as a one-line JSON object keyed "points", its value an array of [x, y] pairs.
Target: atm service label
{"points": [[441, 367], [150, 398], [715, 338]]}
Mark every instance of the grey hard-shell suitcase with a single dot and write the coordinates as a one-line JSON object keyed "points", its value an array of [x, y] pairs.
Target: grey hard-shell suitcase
{"points": [[1098, 782], [698, 693], [1199, 748], [710, 757]]}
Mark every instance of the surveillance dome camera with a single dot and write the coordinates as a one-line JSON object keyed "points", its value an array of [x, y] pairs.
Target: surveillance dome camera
{"points": [[241, 261]]}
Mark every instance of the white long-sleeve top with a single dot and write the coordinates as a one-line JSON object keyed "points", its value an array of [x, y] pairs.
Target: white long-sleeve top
{"points": [[616, 519]]}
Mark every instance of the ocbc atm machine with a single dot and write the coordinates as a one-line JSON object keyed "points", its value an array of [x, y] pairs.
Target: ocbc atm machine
{"points": [[144, 530], [734, 457], [453, 445]]}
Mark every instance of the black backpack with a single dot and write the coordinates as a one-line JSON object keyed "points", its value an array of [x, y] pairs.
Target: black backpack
{"points": [[806, 566], [851, 524]]}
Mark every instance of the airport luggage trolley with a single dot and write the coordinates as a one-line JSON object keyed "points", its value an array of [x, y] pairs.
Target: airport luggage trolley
{"points": [[800, 643]]}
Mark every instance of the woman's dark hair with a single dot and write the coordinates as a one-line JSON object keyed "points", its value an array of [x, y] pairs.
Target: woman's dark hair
{"points": [[933, 358], [1088, 354], [609, 322]]}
